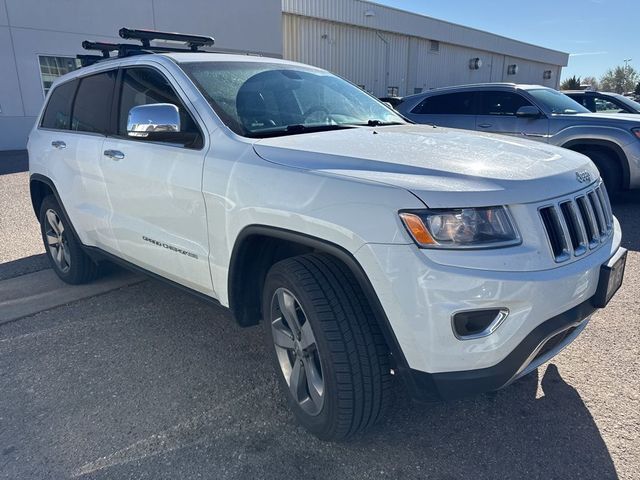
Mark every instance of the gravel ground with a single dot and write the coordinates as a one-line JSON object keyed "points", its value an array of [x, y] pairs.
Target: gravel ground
{"points": [[148, 382]]}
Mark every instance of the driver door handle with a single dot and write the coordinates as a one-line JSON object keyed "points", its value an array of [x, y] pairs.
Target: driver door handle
{"points": [[59, 144], [114, 154], [484, 125]]}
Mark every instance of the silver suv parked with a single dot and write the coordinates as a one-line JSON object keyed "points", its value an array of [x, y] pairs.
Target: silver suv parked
{"points": [[539, 113]]}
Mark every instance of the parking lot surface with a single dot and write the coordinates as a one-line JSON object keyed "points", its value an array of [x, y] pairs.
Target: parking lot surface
{"points": [[144, 381]]}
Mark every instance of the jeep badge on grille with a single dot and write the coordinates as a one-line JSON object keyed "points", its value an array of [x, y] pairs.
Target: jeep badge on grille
{"points": [[583, 176]]}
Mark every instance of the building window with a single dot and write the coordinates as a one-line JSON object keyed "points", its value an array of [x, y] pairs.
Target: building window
{"points": [[393, 91], [417, 90], [54, 67], [434, 46]]}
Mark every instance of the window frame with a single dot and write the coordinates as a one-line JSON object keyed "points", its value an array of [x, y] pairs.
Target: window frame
{"points": [[109, 122], [48, 102], [78, 79], [115, 110]]}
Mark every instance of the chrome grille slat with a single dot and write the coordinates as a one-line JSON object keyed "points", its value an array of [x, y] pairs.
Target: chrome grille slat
{"points": [[575, 229], [577, 224], [606, 206], [595, 203], [589, 218]]}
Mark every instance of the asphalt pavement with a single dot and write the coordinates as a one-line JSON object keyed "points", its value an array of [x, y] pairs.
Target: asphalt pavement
{"points": [[141, 381]]}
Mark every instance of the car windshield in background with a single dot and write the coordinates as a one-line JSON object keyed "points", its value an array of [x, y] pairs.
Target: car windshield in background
{"points": [[633, 105], [263, 100], [557, 102]]}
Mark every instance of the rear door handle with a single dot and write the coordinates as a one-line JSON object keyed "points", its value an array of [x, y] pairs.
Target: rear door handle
{"points": [[59, 144], [114, 154], [484, 125]]}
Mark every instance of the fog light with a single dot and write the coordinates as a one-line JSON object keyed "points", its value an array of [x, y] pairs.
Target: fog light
{"points": [[477, 323]]}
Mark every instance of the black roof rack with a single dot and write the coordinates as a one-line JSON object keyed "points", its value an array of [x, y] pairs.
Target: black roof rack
{"points": [[193, 43], [145, 36]]}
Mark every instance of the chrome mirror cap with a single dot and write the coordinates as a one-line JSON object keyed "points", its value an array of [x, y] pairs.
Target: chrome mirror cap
{"points": [[155, 117]]}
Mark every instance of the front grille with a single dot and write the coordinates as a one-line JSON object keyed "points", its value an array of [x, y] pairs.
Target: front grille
{"points": [[579, 224]]}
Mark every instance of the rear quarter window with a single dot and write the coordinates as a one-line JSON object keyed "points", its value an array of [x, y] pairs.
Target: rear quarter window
{"points": [[57, 113]]}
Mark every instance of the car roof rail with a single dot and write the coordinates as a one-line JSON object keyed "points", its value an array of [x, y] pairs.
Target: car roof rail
{"points": [[193, 43]]}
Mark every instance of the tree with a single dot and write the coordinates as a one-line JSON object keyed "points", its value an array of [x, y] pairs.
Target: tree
{"points": [[619, 79], [637, 90], [572, 83], [592, 82]]}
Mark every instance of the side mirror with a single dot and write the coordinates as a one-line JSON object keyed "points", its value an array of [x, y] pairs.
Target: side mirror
{"points": [[153, 121], [528, 111]]}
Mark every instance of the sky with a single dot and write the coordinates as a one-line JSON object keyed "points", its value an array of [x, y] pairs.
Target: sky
{"points": [[598, 34]]}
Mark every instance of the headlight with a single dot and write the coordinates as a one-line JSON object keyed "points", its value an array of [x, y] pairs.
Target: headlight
{"points": [[484, 227]]}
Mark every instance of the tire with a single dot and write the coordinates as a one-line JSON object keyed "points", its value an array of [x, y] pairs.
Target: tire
{"points": [[347, 361], [64, 250], [609, 169]]}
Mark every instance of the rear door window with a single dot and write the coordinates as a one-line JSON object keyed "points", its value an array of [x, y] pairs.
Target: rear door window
{"points": [[448, 104], [57, 114], [92, 105]]}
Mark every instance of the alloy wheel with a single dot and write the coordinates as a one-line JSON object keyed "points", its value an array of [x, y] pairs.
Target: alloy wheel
{"points": [[297, 351], [56, 241]]}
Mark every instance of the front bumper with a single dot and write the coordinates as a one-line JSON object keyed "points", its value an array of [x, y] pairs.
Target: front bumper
{"points": [[542, 344], [547, 310]]}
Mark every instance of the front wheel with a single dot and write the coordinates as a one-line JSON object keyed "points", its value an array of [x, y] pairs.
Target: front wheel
{"points": [[330, 356]]}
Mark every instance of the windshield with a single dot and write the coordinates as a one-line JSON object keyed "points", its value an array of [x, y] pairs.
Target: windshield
{"points": [[258, 99], [633, 105], [557, 102]]}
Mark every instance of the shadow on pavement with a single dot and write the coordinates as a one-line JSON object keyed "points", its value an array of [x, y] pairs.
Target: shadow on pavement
{"points": [[13, 161], [505, 434], [626, 207], [22, 266]]}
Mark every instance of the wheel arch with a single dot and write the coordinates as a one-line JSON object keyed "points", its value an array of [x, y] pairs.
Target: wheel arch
{"points": [[585, 144], [256, 249], [39, 187]]}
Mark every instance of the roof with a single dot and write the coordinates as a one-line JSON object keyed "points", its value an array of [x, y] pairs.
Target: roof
{"points": [[380, 17]]}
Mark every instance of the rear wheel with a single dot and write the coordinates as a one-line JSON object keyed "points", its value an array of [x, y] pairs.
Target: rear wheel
{"points": [[330, 356], [609, 169], [65, 253]]}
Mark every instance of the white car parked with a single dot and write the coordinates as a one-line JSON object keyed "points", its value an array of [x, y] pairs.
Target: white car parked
{"points": [[367, 246]]}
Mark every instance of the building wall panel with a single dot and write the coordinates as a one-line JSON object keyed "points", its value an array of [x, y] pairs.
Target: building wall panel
{"points": [[10, 97], [380, 59], [379, 17]]}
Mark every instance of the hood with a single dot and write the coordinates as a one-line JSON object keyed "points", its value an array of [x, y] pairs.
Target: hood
{"points": [[625, 120], [443, 167]]}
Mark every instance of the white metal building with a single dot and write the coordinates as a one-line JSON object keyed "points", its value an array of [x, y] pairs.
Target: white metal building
{"points": [[394, 52], [39, 40], [387, 51]]}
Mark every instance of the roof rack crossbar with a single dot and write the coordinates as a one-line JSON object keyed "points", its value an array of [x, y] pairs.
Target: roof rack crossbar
{"points": [[146, 36], [193, 43]]}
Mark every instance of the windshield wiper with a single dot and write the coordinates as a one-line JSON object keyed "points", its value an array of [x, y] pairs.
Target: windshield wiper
{"points": [[295, 129], [379, 123]]}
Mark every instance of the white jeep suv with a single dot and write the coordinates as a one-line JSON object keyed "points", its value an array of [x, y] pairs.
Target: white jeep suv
{"points": [[368, 247]]}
